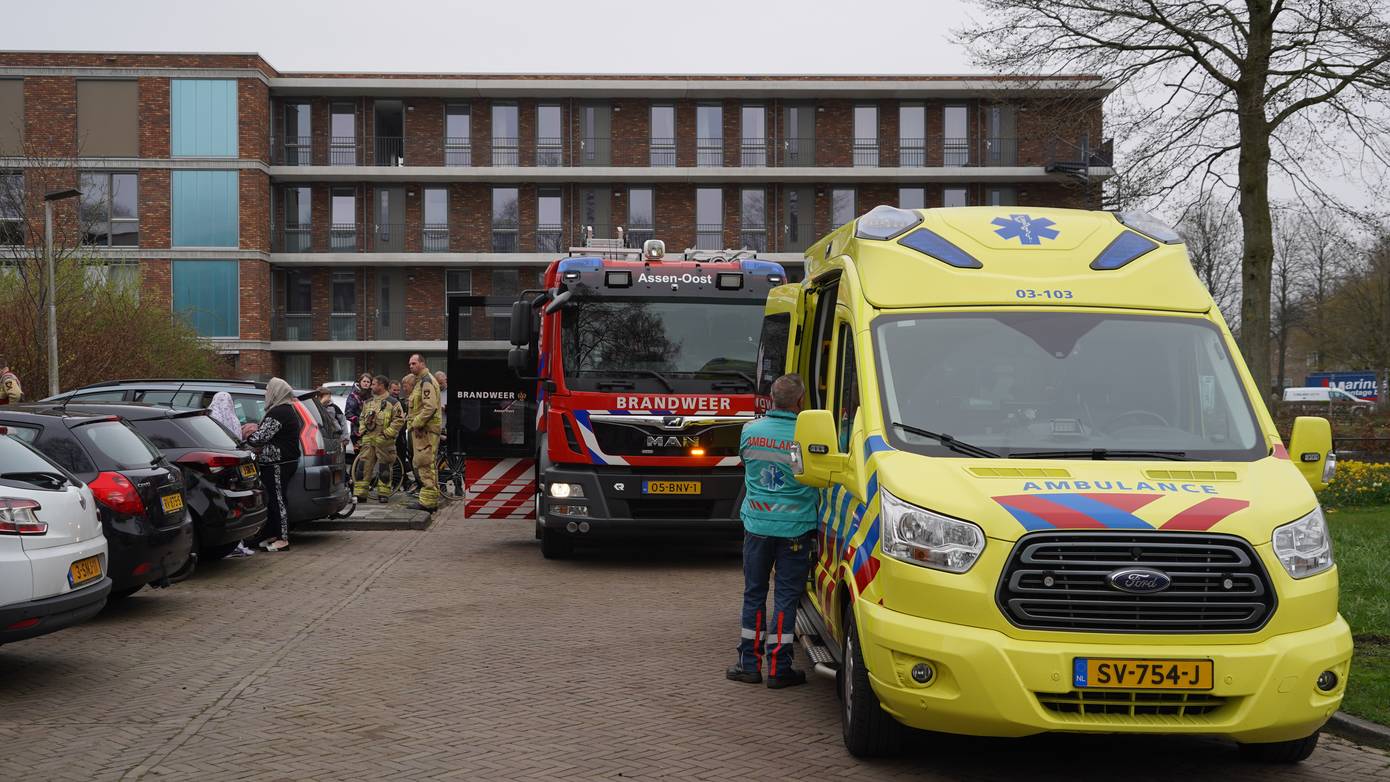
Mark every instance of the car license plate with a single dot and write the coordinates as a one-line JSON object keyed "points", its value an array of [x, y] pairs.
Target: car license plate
{"points": [[1105, 673], [248, 470], [173, 503], [84, 570], [670, 487]]}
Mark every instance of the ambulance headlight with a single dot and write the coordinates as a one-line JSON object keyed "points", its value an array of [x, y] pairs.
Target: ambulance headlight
{"points": [[918, 536], [1304, 547], [565, 491]]}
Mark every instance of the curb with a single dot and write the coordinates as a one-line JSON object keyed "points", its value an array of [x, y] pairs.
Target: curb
{"points": [[373, 519], [1359, 730]]}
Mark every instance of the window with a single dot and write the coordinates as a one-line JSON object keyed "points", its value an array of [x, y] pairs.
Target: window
{"points": [[297, 370], [956, 136], [709, 218], [204, 115], [709, 135], [549, 236], [1003, 196], [846, 387], [298, 135], [505, 135], [206, 293], [342, 139], [954, 196], [506, 284], [800, 134], [344, 367], [120, 276], [107, 123], [11, 117], [505, 219], [663, 135], [641, 212], [817, 389], [342, 320], [753, 218], [436, 239], [772, 350], [108, 210], [912, 134], [458, 135], [1001, 147], [297, 212], [549, 138], [754, 146], [11, 208], [865, 135], [841, 206], [595, 125], [343, 228], [205, 208], [912, 198], [459, 282], [299, 291]]}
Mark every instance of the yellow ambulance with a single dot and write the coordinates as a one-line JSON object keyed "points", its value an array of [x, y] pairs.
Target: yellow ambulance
{"points": [[1052, 498]]}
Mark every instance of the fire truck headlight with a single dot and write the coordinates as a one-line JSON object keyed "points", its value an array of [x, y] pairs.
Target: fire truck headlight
{"points": [[565, 491]]}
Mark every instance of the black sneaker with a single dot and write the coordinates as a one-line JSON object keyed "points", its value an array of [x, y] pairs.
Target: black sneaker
{"points": [[737, 674], [791, 678]]}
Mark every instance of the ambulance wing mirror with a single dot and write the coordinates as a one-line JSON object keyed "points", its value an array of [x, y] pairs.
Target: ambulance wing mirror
{"points": [[816, 457], [1310, 447]]}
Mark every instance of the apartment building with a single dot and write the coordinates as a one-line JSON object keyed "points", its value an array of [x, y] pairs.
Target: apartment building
{"points": [[314, 225]]}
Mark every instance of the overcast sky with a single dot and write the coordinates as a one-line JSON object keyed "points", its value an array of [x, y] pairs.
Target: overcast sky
{"points": [[510, 36]]}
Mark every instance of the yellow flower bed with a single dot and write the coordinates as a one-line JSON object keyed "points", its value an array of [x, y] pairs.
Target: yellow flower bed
{"points": [[1358, 484]]}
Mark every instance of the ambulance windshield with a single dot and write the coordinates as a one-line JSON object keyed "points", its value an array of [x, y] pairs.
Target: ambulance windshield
{"points": [[665, 345], [1064, 385]]}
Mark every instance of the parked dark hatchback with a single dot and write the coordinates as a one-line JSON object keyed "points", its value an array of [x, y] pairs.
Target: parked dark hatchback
{"points": [[220, 481], [149, 532]]}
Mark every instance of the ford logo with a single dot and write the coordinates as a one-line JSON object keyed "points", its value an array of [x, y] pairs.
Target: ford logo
{"points": [[1139, 580]]}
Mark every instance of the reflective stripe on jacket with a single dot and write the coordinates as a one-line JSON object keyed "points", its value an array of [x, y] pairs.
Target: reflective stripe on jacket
{"points": [[774, 503]]}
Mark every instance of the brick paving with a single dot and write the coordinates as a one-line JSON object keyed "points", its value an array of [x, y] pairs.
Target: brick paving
{"points": [[458, 653]]}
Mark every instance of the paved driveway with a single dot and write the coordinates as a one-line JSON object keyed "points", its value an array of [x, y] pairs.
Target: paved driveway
{"points": [[459, 653]]}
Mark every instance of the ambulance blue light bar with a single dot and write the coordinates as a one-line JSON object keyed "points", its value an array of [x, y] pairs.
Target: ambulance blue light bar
{"points": [[928, 242], [1123, 249], [772, 271]]}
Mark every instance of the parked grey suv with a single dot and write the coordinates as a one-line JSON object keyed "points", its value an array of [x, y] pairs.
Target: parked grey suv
{"points": [[319, 488]]}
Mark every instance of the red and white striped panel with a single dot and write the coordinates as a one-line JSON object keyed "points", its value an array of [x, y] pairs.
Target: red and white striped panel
{"points": [[500, 488]]}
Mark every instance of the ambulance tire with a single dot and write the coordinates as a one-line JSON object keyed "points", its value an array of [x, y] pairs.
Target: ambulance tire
{"points": [[556, 544], [1294, 751], [869, 731]]}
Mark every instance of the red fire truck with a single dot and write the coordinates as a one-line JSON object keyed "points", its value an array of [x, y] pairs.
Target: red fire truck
{"points": [[644, 372]]}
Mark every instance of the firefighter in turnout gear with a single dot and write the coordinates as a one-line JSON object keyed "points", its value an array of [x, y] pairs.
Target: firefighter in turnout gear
{"points": [[378, 421], [425, 421], [12, 394]]}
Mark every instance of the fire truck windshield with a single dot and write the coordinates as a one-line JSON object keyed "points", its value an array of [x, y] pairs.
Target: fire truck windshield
{"points": [[672, 345]]}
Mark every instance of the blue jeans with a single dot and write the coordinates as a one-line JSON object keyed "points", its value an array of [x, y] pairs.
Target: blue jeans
{"points": [[775, 636]]}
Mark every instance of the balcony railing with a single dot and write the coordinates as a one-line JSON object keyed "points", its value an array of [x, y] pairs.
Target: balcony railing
{"points": [[295, 326], [344, 151], [865, 152], [295, 239], [753, 152], [389, 151], [550, 152], [342, 237], [435, 238], [709, 152], [506, 151], [709, 236], [458, 152], [296, 151], [342, 326], [549, 238], [662, 151], [388, 237], [754, 237], [504, 239]]}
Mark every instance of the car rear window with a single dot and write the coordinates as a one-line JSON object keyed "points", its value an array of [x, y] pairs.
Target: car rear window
{"points": [[205, 432], [165, 433], [23, 466], [249, 409], [116, 446]]}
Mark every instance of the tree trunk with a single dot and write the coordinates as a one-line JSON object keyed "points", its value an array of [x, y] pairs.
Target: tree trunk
{"points": [[1257, 258]]}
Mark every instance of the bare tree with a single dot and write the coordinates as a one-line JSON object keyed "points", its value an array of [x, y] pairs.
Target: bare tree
{"points": [[1207, 87], [1209, 228], [1288, 291], [1360, 307], [1328, 248]]}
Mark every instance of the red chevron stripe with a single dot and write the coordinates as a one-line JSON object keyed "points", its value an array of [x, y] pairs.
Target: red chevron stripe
{"points": [[1128, 503], [1058, 516], [1205, 514]]}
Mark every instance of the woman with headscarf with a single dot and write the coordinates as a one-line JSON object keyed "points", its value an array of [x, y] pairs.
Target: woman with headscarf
{"points": [[276, 441], [223, 411]]}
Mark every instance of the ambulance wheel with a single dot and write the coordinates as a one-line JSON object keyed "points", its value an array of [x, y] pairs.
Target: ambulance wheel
{"points": [[1294, 751], [869, 731], [556, 544]]}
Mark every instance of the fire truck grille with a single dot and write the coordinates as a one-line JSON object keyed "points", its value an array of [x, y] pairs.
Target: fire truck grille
{"points": [[623, 439], [1060, 581]]}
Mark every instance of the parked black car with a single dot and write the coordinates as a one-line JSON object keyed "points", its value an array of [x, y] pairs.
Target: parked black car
{"points": [[220, 481], [319, 487], [149, 532]]}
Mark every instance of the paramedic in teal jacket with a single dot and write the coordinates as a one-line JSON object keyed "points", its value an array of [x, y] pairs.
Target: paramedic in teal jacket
{"points": [[779, 522]]}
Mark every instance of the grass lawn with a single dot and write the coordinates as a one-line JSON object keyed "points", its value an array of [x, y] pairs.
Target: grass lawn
{"points": [[1361, 544]]}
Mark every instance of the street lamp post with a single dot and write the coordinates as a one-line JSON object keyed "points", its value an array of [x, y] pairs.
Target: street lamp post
{"points": [[48, 200]]}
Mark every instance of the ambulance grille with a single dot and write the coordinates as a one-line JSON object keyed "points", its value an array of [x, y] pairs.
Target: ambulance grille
{"points": [[1130, 703], [1059, 581]]}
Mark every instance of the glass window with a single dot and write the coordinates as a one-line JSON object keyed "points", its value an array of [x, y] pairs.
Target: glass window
{"points": [[436, 220], [12, 202], [865, 135], [506, 282], [846, 387], [709, 135], [663, 135], [120, 276], [116, 445], [204, 113], [912, 134], [548, 220], [709, 218], [298, 371], [298, 134], [458, 135], [107, 122], [108, 209], [11, 117], [754, 144], [1003, 196], [753, 218], [505, 219], [603, 337], [772, 350], [205, 208], [641, 215], [1065, 381], [342, 140], [912, 198], [458, 282], [954, 196], [298, 290], [956, 136], [549, 137], [344, 293], [841, 206], [343, 228], [207, 294], [296, 216], [505, 135]]}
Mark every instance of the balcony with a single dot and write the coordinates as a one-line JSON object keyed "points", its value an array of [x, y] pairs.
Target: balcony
{"points": [[662, 152], [388, 238], [550, 152], [709, 236], [549, 238], [294, 326], [709, 152], [295, 239], [505, 239], [342, 327], [458, 152], [342, 237], [753, 237], [506, 151], [435, 238]]}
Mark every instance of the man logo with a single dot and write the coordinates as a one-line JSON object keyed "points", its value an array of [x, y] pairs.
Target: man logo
{"points": [[673, 422], [672, 441]]}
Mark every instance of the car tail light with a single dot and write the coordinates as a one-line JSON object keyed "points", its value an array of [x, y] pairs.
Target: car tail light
{"points": [[17, 517], [116, 492], [212, 462], [309, 440]]}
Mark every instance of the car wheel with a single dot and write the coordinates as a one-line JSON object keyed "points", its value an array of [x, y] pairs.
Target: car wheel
{"points": [[1294, 751], [556, 545], [869, 731]]}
